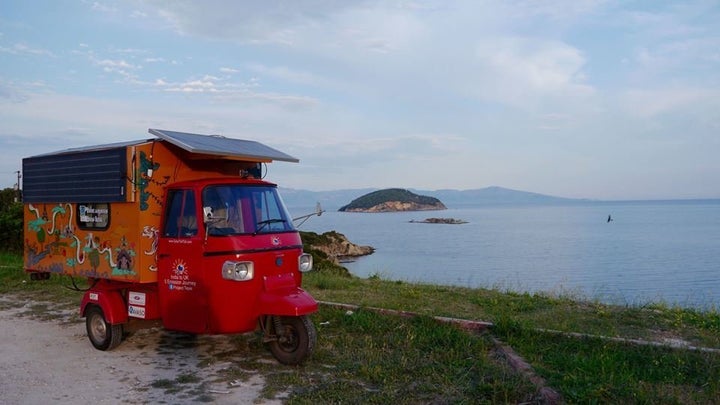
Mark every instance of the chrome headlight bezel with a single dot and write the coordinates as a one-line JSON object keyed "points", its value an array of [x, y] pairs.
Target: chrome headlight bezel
{"points": [[238, 271], [305, 262]]}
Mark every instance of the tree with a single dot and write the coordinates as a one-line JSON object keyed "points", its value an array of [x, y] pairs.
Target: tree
{"points": [[11, 221]]}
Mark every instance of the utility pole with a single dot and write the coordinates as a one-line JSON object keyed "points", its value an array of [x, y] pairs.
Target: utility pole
{"points": [[17, 186]]}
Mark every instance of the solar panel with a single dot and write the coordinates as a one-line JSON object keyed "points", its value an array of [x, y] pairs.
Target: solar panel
{"points": [[76, 176], [221, 146], [92, 148]]}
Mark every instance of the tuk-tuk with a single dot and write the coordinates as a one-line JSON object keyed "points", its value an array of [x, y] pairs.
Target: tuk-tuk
{"points": [[181, 229]]}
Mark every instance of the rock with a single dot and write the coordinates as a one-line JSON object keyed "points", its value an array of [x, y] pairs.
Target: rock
{"points": [[451, 221], [336, 246], [395, 206]]}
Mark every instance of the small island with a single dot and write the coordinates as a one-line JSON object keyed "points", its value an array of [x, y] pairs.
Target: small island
{"points": [[393, 200], [451, 221]]}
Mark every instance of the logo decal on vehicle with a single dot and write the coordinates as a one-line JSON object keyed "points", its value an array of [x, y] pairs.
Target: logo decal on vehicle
{"points": [[137, 298], [136, 312], [179, 267]]}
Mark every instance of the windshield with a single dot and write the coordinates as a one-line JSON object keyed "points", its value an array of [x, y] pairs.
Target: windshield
{"points": [[242, 209]]}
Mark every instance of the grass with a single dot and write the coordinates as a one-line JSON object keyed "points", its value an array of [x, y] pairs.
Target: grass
{"points": [[14, 280], [366, 357], [385, 359], [571, 314], [596, 370]]}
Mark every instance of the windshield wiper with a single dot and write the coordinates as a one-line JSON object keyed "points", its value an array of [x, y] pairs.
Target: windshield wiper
{"points": [[263, 224]]}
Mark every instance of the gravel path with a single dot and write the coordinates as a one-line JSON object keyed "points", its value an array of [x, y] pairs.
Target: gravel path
{"points": [[52, 360]]}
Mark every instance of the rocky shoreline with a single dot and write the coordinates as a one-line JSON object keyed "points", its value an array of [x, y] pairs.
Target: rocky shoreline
{"points": [[452, 221], [336, 246], [398, 206]]}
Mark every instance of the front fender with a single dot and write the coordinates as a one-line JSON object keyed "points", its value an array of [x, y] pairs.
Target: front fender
{"points": [[111, 303], [291, 302]]}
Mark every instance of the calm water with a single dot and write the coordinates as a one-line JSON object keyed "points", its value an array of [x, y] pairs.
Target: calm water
{"points": [[650, 252]]}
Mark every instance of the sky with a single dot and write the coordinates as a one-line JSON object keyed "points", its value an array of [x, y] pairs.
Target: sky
{"points": [[595, 99]]}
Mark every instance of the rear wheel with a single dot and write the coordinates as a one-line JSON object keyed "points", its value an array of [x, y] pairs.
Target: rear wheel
{"points": [[296, 338], [102, 335]]}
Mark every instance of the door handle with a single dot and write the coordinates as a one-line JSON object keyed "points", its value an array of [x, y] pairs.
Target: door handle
{"points": [[163, 255]]}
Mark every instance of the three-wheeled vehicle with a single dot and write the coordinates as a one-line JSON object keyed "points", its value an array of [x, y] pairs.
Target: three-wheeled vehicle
{"points": [[181, 228]]}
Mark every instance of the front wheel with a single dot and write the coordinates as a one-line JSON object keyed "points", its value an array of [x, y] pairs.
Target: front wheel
{"points": [[102, 335], [295, 339]]}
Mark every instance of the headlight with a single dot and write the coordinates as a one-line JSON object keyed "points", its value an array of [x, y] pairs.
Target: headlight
{"points": [[305, 262], [238, 271]]}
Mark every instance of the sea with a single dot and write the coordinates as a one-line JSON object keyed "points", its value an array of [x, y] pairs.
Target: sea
{"points": [[651, 252]]}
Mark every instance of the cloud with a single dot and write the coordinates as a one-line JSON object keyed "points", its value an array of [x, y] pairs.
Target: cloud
{"points": [[138, 14], [654, 102], [289, 75], [679, 56], [248, 22], [119, 67], [402, 48], [527, 72], [557, 9], [24, 49], [10, 92], [194, 86], [227, 91], [103, 7], [115, 64]]}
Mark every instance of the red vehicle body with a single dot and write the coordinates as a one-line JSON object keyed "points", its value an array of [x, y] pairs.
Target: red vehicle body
{"points": [[203, 249]]}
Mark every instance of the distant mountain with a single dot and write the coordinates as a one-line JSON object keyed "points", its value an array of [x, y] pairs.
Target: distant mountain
{"points": [[332, 200], [497, 196], [392, 200]]}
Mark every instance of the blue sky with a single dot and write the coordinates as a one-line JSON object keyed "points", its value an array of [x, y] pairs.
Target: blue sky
{"points": [[579, 98]]}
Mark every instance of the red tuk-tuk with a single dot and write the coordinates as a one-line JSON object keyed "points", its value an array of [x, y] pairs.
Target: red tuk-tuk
{"points": [[181, 229]]}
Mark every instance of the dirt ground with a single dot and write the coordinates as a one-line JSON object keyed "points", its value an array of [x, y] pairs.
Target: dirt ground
{"points": [[49, 359]]}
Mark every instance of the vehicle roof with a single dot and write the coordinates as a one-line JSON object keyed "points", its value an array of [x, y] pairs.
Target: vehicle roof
{"points": [[209, 146], [95, 147], [218, 145]]}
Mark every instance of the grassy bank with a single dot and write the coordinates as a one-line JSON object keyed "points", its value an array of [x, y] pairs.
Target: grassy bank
{"points": [[366, 357], [585, 369]]}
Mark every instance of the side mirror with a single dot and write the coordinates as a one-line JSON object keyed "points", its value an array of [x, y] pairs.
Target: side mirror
{"points": [[303, 218]]}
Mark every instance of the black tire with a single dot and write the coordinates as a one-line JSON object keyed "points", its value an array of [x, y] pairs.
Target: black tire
{"points": [[102, 335], [295, 342]]}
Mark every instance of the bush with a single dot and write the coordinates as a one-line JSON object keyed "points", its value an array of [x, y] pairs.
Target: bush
{"points": [[11, 221]]}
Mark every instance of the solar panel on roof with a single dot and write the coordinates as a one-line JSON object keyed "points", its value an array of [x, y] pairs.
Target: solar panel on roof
{"points": [[222, 146], [106, 146]]}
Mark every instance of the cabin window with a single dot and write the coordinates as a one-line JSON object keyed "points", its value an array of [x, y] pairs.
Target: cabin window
{"points": [[238, 209], [93, 216], [180, 215]]}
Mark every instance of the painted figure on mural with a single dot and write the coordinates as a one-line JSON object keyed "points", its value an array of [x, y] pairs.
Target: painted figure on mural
{"points": [[124, 256]]}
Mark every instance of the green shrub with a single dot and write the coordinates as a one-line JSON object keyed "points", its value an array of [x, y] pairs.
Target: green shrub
{"points": [[11, 221]]}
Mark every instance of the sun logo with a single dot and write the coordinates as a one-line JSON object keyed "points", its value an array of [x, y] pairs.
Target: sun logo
{"points": [[179, 267]]}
